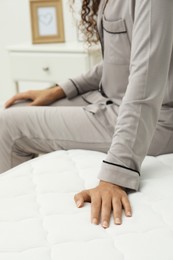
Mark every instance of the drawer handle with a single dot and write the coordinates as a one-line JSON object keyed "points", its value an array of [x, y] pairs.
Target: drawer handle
{"points": [[45, 68]]}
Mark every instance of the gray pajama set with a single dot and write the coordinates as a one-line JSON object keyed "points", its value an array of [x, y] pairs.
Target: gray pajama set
{"points": [[123, 106]]}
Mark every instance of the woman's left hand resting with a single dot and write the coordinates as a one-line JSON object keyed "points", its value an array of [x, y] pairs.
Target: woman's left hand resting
{"points": [[105, 198], [42, 97]]}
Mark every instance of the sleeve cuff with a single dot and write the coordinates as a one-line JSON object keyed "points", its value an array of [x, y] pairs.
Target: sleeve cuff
{"points": [[120, 176], [69, 88]]}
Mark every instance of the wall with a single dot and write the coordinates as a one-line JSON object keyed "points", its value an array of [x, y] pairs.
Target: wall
{"points": [[15, 29]]}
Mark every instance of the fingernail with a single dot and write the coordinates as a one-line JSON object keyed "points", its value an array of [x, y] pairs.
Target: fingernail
{"points": [[118, 221], [129, 214], [105, 224], [94, 221], [78, 203]]}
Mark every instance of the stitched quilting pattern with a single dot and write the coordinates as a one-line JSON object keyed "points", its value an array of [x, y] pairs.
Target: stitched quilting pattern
{"points": [[39, 219]]}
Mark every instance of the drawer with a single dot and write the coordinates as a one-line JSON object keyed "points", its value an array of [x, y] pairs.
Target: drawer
{"points": [[47, 67]]}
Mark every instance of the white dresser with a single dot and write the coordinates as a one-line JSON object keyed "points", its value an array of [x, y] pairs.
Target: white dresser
{"points": [[38, 66]]}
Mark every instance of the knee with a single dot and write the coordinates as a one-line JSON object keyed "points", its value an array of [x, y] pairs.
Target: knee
{"points": [[7, 120], [2, 118], [3, 121]]}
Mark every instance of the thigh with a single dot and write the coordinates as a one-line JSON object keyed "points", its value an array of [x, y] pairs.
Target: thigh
{"points": [[162, 142], [77, 101], [45, 129]]}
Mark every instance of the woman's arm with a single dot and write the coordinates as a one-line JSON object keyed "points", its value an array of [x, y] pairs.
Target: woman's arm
{"points": [[152, 46], [83, 83], [69, 89], [38, 97]]}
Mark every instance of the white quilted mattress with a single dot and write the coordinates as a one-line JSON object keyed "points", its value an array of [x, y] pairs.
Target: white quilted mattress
{"points": [[39, 219]]}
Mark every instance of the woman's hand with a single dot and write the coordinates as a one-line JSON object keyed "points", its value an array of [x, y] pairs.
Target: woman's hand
{"points": [[38, 97], [105, 198]]}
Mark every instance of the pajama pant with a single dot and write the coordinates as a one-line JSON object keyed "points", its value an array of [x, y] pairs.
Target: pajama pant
{"points": [[26, 132]]}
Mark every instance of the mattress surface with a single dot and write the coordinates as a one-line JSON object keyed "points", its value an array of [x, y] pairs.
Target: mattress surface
{"points": [[39, 219]]}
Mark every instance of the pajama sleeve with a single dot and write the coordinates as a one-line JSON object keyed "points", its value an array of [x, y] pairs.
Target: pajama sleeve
{"points": [[152, 45], [83, 83]]}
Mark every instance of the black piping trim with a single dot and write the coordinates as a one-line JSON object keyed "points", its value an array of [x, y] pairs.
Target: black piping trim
{"points": [[75, 86], [115, 32], [122, 166], [85, 100]]}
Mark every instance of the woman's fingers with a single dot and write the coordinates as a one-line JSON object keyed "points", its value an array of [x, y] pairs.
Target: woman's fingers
{"points": [[117, 211], [95, 207], [17, 97], [106, 209], [126, 206], [105, 198], [37, 102], [38, 97], [82, 197]]}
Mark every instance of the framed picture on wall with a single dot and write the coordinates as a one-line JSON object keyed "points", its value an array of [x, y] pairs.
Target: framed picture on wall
{"points": [[47, 21]]}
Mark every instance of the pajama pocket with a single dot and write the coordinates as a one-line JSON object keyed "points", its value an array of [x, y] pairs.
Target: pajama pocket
{"points": [[116, 42]]}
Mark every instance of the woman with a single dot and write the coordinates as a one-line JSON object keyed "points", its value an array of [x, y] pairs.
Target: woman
{"points": [[131, 103]]}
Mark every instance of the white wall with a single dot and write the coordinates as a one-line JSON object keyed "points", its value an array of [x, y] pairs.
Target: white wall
{"points": [[15, 29]]}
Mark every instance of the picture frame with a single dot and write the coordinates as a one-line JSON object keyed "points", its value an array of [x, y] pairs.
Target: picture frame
{"points": [[47, 21]]}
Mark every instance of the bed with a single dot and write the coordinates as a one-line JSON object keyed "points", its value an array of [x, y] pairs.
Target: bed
{"points": [[39, 219]]}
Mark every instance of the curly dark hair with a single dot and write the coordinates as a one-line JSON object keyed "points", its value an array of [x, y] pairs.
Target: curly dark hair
{"points": [[88, 23]]}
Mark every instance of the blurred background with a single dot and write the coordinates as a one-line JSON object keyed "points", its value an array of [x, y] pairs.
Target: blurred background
{"points": [[15, 30]]}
